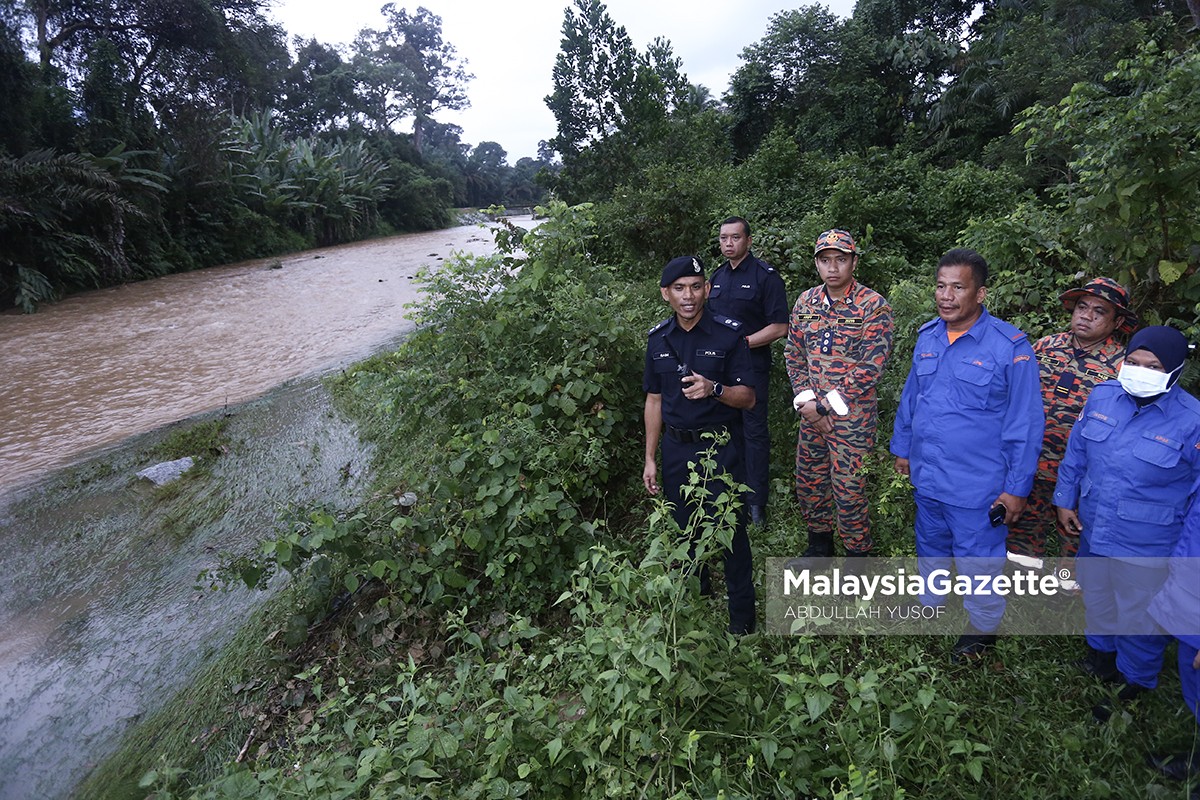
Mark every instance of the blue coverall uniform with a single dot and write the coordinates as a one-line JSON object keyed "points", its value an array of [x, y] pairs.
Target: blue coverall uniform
{"points": [[1177, 606], [715, 348], [970, 422], [753, 294], [1129, 473]]}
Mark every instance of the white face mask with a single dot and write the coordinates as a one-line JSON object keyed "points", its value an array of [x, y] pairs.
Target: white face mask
{"points": [[1142, 381]]}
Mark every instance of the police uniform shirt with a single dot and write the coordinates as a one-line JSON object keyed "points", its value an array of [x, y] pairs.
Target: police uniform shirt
{"points": [[970, 418], [754, 294], [715, 348]]}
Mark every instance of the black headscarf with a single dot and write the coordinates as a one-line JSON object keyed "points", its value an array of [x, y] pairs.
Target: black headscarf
{"points": [[1168, 345]]}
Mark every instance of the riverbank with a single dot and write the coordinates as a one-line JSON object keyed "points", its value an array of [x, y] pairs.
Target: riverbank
{"points": [[104, 618]]}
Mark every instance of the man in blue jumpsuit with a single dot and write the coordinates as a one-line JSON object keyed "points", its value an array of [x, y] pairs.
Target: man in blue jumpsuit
{"points": [[1177, 609], [968, 432], [697, 381], [748, 289]]}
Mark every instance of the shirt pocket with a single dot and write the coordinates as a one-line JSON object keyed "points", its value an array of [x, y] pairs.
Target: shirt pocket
{"points": [[664, 363], [1151, 528], [807, 323], [742, 290], [973, 382], [925, 368], [709, 363], [1159, 451], [1097, 427]]}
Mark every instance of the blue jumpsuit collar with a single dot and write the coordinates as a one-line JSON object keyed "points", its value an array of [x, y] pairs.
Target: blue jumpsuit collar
{"points": [[975, 331]]}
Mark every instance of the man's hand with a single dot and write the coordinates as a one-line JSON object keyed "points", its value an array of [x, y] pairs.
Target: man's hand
{"points": [[696, 386], [901, 466], [808, 411], [1069, 520], [650, 477], [1013, 506]]}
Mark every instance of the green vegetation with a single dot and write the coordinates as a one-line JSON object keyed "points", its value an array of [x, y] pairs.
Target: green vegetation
{"points": [[204, 440], [148, 139], [529, 627]]}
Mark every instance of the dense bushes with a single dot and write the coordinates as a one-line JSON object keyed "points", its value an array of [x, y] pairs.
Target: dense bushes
{"points": [[535, 630], [575, 657], [500, 414]]}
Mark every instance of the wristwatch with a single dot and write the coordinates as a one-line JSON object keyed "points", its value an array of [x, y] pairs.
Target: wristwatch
{"points": [[822, 410], [717, 389]]}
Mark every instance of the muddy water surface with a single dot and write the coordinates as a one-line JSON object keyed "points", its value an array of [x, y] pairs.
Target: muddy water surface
{"points": [[99, 367], [101, 615], [101, 619]]}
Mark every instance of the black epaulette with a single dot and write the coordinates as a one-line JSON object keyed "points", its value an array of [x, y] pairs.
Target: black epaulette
{"points": [[659, 326], [728, 322]]}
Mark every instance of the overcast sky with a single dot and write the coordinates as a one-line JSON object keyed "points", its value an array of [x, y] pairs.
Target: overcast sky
{"points": [[510, 47]]}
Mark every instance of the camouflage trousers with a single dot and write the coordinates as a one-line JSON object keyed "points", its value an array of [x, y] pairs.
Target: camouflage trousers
{"points": [[1038, 525], [830, 485]]}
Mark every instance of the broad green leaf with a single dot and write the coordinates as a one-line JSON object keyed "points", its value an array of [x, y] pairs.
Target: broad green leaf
{"points": [[1171, 271], [818, 703]]}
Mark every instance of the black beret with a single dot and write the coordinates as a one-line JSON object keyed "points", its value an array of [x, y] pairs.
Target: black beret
{"points": [[680, 267]]}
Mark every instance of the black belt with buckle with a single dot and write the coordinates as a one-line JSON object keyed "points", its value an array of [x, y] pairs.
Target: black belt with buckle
{"points": [[691, 435]]}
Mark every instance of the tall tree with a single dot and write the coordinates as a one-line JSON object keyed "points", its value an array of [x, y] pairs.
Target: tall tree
{"points": [[408, 71], [847, 85], [594, 77], [318, 91], [1029, 52], [784, 75], [105, 87], [603, 85], [216, 52], [609, 100], [486, 174], [1132, 185], [17, 88]]}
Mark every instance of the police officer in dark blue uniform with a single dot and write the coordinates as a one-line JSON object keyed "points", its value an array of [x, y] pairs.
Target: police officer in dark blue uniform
{"points": [[751, 291], [697, 381]]}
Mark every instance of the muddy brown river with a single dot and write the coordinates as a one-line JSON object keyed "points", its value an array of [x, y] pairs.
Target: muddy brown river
{"points": [[99, 367], [102, 618]]}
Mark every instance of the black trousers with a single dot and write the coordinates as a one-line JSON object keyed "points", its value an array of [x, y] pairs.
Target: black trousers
{"points": [[739, 577], [757, 437]]}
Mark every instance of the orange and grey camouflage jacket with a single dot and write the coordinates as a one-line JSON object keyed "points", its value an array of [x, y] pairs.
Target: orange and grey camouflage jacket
{"points": [[840, 344], [1068, 376]]}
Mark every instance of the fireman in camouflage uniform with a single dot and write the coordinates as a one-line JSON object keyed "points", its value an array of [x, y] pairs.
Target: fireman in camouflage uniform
{"points": [[839, 338], [1070, 364]]}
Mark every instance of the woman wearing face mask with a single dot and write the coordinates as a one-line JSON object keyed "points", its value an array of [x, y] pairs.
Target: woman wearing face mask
{"points": [[1123, 488]]}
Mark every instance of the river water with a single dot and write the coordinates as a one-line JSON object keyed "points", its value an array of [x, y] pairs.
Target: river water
{"points": [[101, 619], [99, 367]]}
